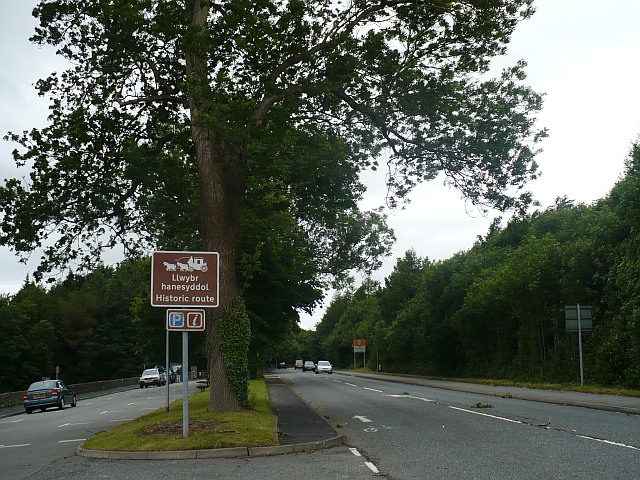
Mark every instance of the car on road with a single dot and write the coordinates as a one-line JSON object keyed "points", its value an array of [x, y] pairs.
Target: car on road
{"points": [[309, 366], [298, 365], [48, 393], [152, 376], [324, 366]]}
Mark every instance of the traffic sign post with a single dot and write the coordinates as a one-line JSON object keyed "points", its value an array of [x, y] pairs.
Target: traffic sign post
{"points": [[184, 279], [359, 346], [578, 319]]}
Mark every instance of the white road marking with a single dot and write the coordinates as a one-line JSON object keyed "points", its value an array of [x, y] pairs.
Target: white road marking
{"points": [[373, 390], [14, 446], [350, 384], [411, 396], [362, 419], [486, 415], [73, 440], [609, 442], [111, 411], [372, 467], [12, 421], [67, 424], [136, 403], [355, 452]]}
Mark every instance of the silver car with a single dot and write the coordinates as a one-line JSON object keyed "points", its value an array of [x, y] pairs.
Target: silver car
{"points": [[152, 376], [324, 367], [48, 393]]}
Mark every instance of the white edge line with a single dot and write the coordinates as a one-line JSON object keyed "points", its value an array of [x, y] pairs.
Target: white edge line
{"points": [[372, 467], [355, 452], [609, 442], [350, 384], [486, 415], [14, 446], [72, 440], [373, 390]]}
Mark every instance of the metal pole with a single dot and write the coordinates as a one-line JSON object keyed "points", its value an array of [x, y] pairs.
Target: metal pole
{"points": [[580, 346], [185, 384], [166, 368]]}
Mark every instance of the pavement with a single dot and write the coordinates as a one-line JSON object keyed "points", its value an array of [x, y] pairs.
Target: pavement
{"points": [[300, 428]]}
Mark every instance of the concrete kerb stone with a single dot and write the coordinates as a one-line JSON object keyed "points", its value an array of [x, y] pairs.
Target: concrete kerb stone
{"points": [[232, 452], [297, 447]]}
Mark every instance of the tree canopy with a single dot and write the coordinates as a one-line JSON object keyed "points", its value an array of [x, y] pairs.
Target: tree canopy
{"points": [[185, 124]]}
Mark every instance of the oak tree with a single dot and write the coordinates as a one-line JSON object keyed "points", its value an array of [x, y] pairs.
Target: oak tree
{"points": [[174, 114]]}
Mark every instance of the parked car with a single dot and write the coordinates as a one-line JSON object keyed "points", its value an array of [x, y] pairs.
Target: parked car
{"points": [[324, 366], [282, 365], [309, 366], [299, 365], [152, 376], [48, 393]]}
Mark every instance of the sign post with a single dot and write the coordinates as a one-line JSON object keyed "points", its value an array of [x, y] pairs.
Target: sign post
{"points": [[578, 319], [185, 320], [359, 346], [184, 279]]}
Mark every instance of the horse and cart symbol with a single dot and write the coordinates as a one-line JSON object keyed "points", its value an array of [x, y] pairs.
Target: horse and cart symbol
{"points": [[187, 264]]}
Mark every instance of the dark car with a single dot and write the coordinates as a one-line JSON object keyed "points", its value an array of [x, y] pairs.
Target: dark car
{"points": [[48, 393], [309, 366]]}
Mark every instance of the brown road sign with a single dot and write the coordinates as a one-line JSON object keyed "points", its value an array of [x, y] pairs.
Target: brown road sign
{"points": [[185, 279]]}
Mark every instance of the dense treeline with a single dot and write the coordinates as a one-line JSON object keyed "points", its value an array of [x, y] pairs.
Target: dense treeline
{"points": [[494, 311], [92, 327], [101, 326], [497, 310]]}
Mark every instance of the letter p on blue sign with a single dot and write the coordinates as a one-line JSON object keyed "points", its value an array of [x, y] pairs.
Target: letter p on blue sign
{"points": [[185, 320]]}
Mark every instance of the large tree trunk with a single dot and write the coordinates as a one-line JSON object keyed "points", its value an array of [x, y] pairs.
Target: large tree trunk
{"points": [[221, 194]]}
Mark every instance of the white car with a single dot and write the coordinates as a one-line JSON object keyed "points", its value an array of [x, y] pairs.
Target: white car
{"points": [[152, 376], [324, 367]]}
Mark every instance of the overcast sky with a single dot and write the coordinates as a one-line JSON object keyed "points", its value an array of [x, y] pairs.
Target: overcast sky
{"points": [[582, 54]]}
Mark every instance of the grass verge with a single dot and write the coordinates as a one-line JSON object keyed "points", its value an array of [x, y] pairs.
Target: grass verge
{"points": [[162, 430]]}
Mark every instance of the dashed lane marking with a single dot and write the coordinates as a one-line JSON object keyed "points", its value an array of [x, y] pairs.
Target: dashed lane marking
{"points": [[411, 396], [373, 390]]}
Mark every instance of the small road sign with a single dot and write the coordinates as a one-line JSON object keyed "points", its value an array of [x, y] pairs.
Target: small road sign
{"points": [[571, 318], [185, 320]]}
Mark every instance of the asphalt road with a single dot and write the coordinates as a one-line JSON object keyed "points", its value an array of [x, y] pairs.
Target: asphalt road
{"points": [[32, 445], [418, 432], [393, 430]]}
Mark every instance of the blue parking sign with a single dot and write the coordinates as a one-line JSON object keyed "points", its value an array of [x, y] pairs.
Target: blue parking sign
{"points": [[176, 319]]}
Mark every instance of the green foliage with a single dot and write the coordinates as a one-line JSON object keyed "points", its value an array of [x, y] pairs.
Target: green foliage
{"points": [[174, 128], [235, 331], [497, 310]]}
